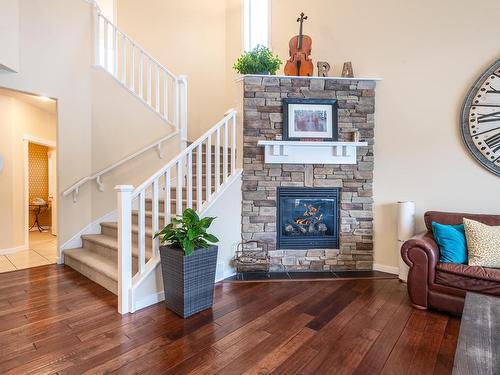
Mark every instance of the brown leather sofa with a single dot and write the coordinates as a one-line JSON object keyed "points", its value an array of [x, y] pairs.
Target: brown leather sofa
{"points": [[443, 286]]}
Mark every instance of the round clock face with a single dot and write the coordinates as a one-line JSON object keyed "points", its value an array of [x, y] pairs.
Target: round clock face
{"points": [[481, 119]]}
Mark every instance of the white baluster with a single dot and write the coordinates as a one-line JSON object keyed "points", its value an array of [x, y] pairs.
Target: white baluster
{"points": [[199, 177], [132, 72], [183, 112], [148, 81], [115, 51], [124, 246], [157, 88], [106, 62], [225, 160], [124, 59], [139, 73], [208, 166], [165, 96], [233, 144], [176, 105], [141, 235], [167, 205], [217, 159], [97, 37], [178, 190], [189, 182], [154, 220]]}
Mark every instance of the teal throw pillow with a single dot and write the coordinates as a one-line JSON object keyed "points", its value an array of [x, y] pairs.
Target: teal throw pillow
{"points": [[451, 242]]}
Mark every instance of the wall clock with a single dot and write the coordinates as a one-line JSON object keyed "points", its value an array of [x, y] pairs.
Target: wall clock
{"points": [[481, 119]]}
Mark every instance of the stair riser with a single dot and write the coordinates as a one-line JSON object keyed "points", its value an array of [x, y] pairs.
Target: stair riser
{"points": [[92, 274], [148, 220], [149, 206], [113, 232], [108, 252]]}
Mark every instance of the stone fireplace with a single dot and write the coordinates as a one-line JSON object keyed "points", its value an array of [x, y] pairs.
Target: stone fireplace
{"points": [[315, 244]]}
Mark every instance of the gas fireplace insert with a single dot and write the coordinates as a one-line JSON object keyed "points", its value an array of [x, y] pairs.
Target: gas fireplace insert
{"points": [[308, 218]]}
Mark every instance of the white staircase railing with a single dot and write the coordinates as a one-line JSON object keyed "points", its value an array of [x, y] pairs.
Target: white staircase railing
{"points": [[156, 86], [139, 72], [193, 163]]}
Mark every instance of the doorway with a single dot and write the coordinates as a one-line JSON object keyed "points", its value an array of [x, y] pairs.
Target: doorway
{"points": [[28, 183]]}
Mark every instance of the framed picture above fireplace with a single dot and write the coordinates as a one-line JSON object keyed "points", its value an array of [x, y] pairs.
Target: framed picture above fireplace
{"points": [[310, 119]]}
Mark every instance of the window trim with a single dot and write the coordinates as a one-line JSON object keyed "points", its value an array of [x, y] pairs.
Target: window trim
{"points": [[246, 24]]}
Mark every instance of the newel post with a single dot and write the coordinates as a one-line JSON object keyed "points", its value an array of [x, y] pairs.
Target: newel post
{"points": [[183, 111], [124, 246]]}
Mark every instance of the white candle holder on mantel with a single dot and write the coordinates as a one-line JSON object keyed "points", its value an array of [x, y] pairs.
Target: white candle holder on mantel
{"points": [[310, 152]]}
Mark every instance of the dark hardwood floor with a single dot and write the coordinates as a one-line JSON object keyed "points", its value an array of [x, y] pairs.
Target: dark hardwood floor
{"points": [[53, 320]]}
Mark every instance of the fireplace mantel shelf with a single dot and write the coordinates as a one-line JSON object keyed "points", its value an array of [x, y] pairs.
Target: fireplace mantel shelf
{"points": [[303, 152]]}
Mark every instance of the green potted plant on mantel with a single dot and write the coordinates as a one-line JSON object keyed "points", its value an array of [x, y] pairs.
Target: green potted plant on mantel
{"points": [[260, 60], [188, 263]]}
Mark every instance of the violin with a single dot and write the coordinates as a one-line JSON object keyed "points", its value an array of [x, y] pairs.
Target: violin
{"points": [[299, 63]]}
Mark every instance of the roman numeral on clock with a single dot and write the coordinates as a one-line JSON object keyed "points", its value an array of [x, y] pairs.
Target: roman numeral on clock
{"points": [[489, 117], [493, 142]]}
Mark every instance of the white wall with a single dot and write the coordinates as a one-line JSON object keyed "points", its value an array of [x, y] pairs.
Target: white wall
{"points": [[428, 53], [18, 119], [9, 35]]}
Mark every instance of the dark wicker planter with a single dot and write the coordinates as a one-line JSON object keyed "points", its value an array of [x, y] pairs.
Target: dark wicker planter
{"points": [[188, 280]]}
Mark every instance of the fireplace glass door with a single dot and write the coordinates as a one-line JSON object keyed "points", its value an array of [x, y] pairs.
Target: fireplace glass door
{"points": [[308, 218]]}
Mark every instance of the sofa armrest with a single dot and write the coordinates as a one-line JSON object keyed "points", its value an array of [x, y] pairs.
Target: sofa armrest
{"points": [[421, 254], [424, 242]]}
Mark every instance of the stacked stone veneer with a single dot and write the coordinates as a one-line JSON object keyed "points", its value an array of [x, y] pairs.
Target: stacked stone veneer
{"points": [[263, 116]]}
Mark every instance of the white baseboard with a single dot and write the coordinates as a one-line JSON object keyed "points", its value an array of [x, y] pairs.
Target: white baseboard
{"points": [[11, 250], [150, 300], [384, 268]]}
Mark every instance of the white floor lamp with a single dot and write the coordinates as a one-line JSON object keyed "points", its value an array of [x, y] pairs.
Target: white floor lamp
{"points": [[406, 229]]}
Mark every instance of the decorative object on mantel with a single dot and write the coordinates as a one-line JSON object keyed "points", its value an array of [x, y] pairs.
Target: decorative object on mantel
{"points": [[299, 63], [481, 119], [301, 152], [323, 68], [252, 256], [260, 60], [355, 136], [347, 70], [309, 119]]}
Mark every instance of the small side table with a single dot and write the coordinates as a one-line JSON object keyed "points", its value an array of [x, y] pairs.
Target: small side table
{"points": [[37, 210]]}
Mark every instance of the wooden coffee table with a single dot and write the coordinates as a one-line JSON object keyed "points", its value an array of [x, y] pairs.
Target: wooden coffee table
{"points": [[478, 349]]}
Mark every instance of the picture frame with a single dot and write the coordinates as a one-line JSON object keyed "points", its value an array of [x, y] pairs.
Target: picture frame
{"points": [[310, 119]]}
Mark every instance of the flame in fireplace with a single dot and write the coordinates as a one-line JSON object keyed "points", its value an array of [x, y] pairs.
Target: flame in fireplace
{"points": [[310, 216]]}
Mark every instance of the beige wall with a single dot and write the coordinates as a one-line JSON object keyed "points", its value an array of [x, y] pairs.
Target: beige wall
{"points": [[9, 35], [18, 119], [429, 54], [55, 49], [188, 37]]}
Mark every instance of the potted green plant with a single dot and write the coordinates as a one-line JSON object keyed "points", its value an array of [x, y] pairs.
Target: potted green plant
{"points": [[188, 263], [260, 60]]}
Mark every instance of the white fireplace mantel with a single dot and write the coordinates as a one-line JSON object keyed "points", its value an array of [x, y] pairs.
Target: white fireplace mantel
{"points": [[304, 152]]}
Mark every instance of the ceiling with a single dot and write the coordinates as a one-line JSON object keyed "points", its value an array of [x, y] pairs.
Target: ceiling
{"points": [[41, 102]]}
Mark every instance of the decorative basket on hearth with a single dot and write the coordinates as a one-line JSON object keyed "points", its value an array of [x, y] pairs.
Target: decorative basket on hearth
{"points": [[252, 256]]}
